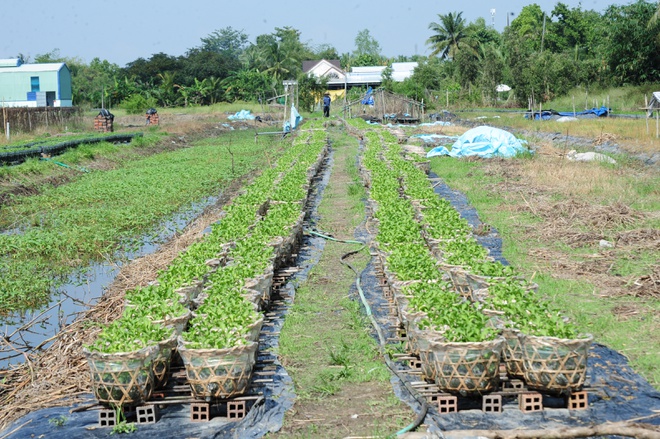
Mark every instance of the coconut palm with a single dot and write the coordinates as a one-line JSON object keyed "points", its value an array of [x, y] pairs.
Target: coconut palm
{"points": [[449, 34]]}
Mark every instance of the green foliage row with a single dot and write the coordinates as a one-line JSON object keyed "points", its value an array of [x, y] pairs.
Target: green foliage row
{"points": [[226, 316], [408, 257], [392, 177]]}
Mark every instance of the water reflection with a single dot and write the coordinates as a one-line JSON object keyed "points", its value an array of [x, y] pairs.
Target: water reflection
{"points": [[30, 330]]}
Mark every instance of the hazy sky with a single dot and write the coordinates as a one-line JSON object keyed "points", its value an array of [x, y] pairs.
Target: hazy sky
{"points": [[122, 30]]}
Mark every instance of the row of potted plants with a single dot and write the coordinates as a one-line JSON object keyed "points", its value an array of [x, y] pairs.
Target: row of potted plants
{"points": [[497, 310], [202, 304]]}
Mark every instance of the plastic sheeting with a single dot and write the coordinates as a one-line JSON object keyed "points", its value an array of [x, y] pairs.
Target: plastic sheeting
{"points": [[242, 115], [552, 114], [483, 141], [368, 98], [296, 118], [615, 392]]}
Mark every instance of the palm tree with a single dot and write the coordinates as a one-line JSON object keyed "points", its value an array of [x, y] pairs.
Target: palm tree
{"points": [[449, 34]]}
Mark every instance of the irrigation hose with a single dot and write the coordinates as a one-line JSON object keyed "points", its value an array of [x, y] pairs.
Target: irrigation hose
{"points": [[382, 342]]}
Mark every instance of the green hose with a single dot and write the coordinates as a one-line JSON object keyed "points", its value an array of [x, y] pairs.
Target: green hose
{"points": [[381, 337], [64, 165]]}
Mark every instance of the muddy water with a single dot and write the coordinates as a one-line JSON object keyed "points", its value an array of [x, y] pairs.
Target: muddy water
{"points": [[32, 329]]}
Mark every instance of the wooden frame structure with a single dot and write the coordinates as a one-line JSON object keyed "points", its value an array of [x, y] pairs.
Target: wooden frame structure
{"points": [[387, 106]]}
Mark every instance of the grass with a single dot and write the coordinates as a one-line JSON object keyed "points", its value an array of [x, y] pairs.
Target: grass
{"points": [[512, 212], [625, 99], [325, 343]]}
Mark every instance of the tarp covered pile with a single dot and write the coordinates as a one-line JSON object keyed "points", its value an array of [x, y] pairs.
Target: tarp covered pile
{"points": [[483, 141]]}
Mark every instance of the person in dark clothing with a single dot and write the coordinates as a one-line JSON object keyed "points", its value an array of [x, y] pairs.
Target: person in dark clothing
{"points": [[326, 105]]}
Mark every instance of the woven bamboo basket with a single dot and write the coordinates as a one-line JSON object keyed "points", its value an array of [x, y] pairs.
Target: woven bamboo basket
{"points": [[409, 320], [190, 292], [122, 379], [177, 323], [218, 373], [458, 278], [512, 354], [467, 368], [162, 361], [262, 283], [478, 282], [254, 330], [555, 365], [426, 356]]}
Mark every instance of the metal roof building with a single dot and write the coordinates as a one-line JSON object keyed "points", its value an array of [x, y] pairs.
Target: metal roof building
{"points": [[34, 85], [358, 76]]}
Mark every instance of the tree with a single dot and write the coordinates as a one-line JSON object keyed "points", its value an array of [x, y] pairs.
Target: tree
{"points": [[631, 52], [325, 51], [310, 90], [247, 85], [573, 30], [449, 35], [147, 70], [367, 45], [279, 54], [93, 84], [492, 69], [529, 26], [228, 41]]}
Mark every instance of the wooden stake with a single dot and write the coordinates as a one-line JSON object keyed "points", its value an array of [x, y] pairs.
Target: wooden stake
{"points": [[646, 105], [586, 100], [573, 105]]}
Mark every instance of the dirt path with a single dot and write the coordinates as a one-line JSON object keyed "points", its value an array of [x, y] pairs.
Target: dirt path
{"points": [[341, 382]]}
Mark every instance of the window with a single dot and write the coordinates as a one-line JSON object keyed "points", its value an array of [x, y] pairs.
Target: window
{"points": [[34, 82]]}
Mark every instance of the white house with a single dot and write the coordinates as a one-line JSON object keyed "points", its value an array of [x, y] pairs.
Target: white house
{"points": [[358, 76]]}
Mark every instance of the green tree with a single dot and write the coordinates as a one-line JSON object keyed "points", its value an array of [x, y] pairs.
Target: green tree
{"points": [[147, 70], [325, 51], [279, 54], [528, 25], [366, 47], [310, 90], [449, 34], [492, 71], [228, 41], [631, 52], [573, 30], [247, 85], [387, 80]]}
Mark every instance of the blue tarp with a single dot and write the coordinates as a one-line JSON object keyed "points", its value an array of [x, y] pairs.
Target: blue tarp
{"points": [[368, 97], [483, 141], [548, 114]]}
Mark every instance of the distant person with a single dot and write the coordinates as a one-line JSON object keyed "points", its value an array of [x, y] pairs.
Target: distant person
{"points": [[326, 105]]}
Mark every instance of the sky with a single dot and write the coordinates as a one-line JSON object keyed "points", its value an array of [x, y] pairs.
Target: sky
{"points": [[121, 31]]}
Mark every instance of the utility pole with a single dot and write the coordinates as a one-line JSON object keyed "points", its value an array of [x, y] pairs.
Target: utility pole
{"points": [[543, 33]]}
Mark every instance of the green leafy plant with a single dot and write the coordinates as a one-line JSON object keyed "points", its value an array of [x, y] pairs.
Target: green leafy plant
{"points": [[58, 421]]}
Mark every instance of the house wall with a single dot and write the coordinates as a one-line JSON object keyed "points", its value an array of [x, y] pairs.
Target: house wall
{"points": [[16, 87]]}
